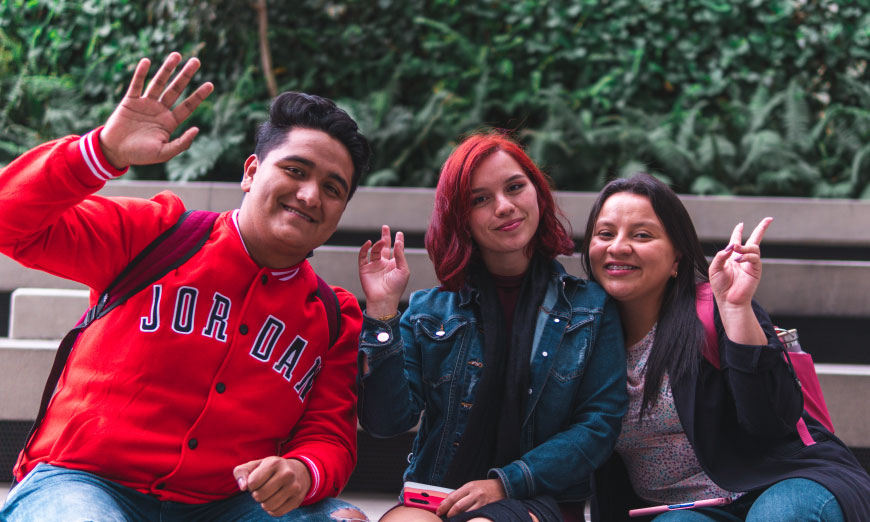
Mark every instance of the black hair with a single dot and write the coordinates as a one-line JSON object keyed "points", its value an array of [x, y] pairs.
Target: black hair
{"points": [[679, 334], [296, 109]]}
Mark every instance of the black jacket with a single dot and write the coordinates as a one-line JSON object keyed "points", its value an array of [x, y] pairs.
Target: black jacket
{"points": [[741, 422]]}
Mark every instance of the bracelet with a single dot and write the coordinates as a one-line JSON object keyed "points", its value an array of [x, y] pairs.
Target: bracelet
{"points": [[386, 318]]}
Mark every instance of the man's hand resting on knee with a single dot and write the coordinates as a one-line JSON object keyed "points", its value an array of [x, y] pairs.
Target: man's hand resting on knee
{"points": [[278, 484]]}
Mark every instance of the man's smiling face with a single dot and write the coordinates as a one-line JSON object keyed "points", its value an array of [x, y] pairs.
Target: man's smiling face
{"points": [[296, 196]]}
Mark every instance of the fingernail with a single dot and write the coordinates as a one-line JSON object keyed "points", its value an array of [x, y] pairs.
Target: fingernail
{"points": [[738, 258], [241, 482], [730, 247]]}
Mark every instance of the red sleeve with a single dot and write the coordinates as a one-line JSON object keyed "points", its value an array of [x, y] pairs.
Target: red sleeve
{"points": [[325, 437], [51, 221]]}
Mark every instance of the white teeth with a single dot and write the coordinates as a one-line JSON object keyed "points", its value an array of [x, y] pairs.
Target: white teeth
{"points": [[620, 267], [300, 214]]}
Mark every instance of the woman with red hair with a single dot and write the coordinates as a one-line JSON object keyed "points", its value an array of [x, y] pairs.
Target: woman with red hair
{"points": [[516, 367]]}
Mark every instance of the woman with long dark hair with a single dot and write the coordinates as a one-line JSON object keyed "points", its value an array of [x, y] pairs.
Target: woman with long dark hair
{"points": [[516, 367], [698, 428]]}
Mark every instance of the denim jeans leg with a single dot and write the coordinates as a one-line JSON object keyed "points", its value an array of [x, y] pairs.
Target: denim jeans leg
{"points": [[797, 500], [243, 508], [55, 494]]}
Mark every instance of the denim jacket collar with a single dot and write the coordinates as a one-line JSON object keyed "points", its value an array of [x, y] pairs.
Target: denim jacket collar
{"points": [[469, 294]]}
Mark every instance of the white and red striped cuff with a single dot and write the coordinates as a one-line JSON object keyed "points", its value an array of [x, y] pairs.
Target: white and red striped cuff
{"points": [[89, 146], [316, 481]]}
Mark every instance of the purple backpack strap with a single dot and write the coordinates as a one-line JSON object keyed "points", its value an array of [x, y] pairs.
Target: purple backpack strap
{"points": [[167, 252], [333, 309], [704, 307]]}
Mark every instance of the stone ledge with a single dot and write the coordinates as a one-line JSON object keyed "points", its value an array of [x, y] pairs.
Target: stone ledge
{"points": [[789, 287], [797, 220], [25, 363], [45, 313]]}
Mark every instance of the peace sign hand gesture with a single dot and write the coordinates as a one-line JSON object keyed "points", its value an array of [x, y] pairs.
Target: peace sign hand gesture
{"points": [[736, 271], [138, 131]]}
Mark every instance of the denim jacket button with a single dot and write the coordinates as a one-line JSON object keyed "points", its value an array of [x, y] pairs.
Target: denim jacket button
{"points": [[440, 333], [530, 391], [383, 337], [556, 320], [545, 354]]}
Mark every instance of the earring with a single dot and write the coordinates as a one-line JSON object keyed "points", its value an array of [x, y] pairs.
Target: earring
{"points": [[674, 275]]}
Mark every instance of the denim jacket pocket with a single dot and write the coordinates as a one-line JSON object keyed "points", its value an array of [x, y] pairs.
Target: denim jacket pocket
{"points": [[440, 344], [572, 356]]}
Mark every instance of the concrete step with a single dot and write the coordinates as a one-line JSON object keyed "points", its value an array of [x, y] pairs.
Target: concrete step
{"points": [[789, 287], [846, 388], [797, 220], [13, 275], [45, 313], [24, 366]]}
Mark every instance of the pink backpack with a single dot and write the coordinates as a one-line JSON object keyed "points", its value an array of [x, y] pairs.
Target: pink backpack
{"points": [[801, 363]]}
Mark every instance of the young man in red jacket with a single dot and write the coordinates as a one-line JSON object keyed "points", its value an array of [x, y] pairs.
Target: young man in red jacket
{"points": [[213, 393]]}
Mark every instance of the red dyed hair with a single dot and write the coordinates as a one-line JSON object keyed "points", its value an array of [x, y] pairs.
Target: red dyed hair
{"points": [[448, 239]]}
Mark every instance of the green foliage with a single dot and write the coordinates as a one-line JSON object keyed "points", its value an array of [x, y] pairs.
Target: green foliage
{"points": [[718, 97], [64, 65]]}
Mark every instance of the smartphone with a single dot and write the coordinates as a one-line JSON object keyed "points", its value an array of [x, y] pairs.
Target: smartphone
{"points": [[675, 507], [424, 496]]}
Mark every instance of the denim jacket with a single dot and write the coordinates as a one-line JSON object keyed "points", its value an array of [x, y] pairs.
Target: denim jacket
{"points": [[430, 360]]}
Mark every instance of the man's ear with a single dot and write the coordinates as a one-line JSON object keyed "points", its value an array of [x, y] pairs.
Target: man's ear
{"points": [[251, 165]]}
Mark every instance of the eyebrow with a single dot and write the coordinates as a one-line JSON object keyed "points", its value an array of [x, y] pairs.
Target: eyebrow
{"points": [[512, 178], [643, 223], [308, 163]]}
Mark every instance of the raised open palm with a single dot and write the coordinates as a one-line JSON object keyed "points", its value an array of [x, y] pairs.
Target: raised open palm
{"points": [[139, 130], [383, 276]]}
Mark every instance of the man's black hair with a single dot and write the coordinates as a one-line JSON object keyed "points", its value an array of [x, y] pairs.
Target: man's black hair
{"points": [[297, 109]]}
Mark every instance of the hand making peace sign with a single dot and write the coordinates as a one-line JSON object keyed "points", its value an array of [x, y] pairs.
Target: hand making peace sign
{"points": [[736, 271]]}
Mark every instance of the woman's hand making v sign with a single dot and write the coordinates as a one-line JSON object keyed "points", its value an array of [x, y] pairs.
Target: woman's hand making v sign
{"points": [[734, 276]]}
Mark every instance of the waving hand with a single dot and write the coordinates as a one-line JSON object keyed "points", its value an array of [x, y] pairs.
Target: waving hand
{"points": [[138, 131], [383, 276]]}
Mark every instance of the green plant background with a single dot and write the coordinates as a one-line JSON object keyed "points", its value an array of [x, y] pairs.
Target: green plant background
{"points": [[743, 97]]}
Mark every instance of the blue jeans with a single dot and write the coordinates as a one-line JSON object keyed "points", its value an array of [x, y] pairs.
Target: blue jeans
{"points": [[795, 500], [55, 494]]}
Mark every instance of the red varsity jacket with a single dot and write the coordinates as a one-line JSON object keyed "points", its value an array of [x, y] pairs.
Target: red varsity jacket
{"points": [[218, 363]]}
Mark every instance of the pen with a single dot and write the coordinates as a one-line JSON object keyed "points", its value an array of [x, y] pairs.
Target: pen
{"points": [[674, 507]]}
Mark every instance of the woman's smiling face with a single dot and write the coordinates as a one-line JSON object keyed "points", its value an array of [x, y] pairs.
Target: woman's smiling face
{"points": [[631, 255], [504, 212]]}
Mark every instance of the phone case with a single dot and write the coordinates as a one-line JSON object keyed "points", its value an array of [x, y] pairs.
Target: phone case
{"points": [[424, 496]]}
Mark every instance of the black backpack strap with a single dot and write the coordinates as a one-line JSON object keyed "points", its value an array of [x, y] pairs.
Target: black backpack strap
{"points": [[333, 309], [167, 252]]}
